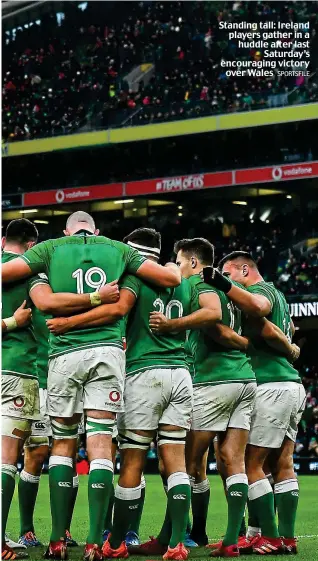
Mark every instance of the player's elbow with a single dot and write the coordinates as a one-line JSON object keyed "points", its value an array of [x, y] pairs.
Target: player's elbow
{"points": [[213, 317], [45, 306], [171, 279], [258, 310]]}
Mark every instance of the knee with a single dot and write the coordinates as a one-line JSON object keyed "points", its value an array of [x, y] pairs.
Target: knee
{"points": [[34, 462]]}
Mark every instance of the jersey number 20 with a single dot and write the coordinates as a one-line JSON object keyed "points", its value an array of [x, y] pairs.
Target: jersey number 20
{"points": [[87, 278]]}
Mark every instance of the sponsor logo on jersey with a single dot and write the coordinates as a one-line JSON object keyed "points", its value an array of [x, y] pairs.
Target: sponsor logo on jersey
{"points": [[98, 485], [114, 396], [236, 494], [179, 497], [18, 402], [64, 484]]}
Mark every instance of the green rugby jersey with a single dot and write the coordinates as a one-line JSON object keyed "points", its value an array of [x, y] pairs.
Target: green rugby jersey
{"points": [[213, 363], [42, 341], [19, 346], [83, 263], [267, 363], [146, 350]]}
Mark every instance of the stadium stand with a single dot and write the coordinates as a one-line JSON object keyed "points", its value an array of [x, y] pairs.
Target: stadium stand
{"points": [[69, 70]]}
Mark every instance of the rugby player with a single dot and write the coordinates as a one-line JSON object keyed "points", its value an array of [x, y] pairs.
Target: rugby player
{"points": [[157, 364], [224, 389], [273, 427], [87, 365], [20, 389]]}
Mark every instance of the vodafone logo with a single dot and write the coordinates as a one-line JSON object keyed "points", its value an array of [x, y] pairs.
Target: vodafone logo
{"points": [[291, 172], [60, 196], [114, 396], [277, 173], [18, 402]]}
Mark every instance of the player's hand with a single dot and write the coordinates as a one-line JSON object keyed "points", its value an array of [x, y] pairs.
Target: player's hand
{"points": [[23, 315], [58, 326], [109, 293], [158, 322], [213, 277], [295, 352]]}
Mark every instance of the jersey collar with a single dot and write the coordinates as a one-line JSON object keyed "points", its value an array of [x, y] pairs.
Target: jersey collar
{"points": [[83, 233]]}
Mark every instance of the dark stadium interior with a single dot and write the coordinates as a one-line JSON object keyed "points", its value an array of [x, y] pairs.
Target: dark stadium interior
{"points": [[65, 66]]}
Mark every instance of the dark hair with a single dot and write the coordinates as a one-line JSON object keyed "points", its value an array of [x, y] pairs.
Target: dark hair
{"points": [[21, 231], [244, 255], [147, 237], [199, 247]]}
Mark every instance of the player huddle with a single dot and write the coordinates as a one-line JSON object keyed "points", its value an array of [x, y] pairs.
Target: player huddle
{"points": [[208, 360]]}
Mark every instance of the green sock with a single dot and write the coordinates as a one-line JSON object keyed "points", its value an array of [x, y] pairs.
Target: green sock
{"points": [[72, 502], [179, 499], [166, 528], [287, 495], [189, 526], [261, 507], [200, 505], [100, 481], [164, 535], [237, 489], [7, 483], [61, 487], [242, 531], [136, 523], [125, 512], [28, 489], [108, 525]]}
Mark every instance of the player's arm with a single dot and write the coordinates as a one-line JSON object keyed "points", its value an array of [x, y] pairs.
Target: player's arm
{"points": [[102, 315], [274, 337], [15, 269], [21, 318], [256, 305], [227, 337], [209, 314], [66, 303], [168, 276]]}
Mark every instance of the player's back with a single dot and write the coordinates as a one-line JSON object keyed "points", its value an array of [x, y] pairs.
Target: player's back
{"points": [[145, 349], [269, 365], [19, 345], [214, 363], [83, 263]]}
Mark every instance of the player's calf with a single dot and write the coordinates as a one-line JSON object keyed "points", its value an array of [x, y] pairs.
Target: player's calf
{"points": [[128, 493]]}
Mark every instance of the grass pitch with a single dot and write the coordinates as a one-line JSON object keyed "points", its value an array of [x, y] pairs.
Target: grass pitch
{"points": [[307, 521]]}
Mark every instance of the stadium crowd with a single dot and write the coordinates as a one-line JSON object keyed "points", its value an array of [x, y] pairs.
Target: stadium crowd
{"points": [[67, 70]]}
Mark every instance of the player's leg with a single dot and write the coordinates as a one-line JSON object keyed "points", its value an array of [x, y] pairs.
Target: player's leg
{"points": [[36, 450], [103, 399], [197, 449], [108, 525], [136, 429], [286, 489], [171, 440], [175, 420], [20, 405], [64, 403], [232, 445], [268, 429], [133, 450], [70, 542]]}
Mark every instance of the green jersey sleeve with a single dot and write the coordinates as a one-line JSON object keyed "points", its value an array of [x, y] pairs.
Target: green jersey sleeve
{"points": [[263, 290], [201, 288], [38, 257], [133, 260], [36, 280], [132, 283]]}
